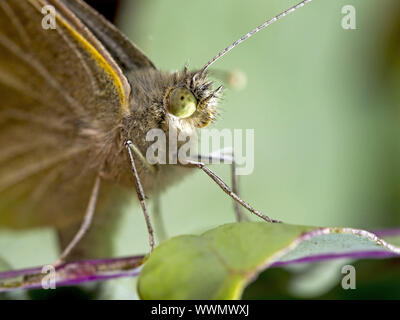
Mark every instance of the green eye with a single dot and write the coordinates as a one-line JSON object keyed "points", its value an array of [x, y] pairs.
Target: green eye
{"points": [[182, 103]]}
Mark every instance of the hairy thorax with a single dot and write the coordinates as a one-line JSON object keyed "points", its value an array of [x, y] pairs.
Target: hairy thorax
{"points": [[148, 112]]}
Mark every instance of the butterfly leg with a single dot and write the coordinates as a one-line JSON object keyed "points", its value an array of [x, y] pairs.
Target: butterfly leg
{"points": [[160, 228], [158, 220], [227, 155], [139, 189], [227, 190], [87, 221]]}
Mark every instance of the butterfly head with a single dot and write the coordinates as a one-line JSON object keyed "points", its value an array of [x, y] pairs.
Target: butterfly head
{"points": [[191, 99]]}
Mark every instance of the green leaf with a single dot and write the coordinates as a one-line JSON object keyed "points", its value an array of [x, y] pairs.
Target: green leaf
{"points": [[220, 263]]}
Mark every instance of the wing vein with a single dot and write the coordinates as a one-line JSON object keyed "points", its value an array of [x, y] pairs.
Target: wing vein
{"points": [[30, 60], [49, 123], [81, 60], [16, 177], [16, 22], [9, 81]]}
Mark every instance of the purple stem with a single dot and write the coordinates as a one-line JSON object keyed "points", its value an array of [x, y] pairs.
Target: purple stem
{"points": [[74, 273], [331, 256]]}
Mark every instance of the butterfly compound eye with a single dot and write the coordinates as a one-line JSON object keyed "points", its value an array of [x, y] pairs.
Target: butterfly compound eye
{"points": [[182, 103]]}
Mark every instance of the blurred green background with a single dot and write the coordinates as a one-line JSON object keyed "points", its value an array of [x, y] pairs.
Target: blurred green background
{"points": [[324, 103]]}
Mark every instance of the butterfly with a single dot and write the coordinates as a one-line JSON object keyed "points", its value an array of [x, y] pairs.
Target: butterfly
{"points": [[78, 99]]}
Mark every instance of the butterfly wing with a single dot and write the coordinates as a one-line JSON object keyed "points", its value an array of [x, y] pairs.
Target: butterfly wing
{"points": [[125, 53], [60, 88]]}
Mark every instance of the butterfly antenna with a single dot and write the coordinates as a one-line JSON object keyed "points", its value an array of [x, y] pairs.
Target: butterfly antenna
{"points": [[252, 32]]}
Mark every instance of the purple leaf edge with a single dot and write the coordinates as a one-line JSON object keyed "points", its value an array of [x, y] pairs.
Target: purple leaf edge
{"points": [[84, 271]]}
